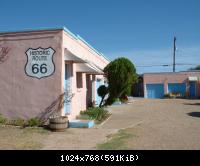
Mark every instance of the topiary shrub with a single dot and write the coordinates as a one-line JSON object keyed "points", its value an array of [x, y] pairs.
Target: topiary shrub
{"points": [[102, 91], [121, 74]]}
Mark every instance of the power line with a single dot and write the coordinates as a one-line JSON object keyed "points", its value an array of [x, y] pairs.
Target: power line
{"points": [[151, 65], [167, 65]]}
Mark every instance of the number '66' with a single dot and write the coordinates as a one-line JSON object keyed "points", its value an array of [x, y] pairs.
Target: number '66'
{"points": [[42, 68]]}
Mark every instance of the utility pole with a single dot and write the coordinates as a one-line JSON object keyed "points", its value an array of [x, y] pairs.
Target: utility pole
{"points": [[174, 56]]}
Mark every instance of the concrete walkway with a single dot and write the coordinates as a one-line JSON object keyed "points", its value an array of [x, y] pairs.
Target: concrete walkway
{"points": [[77, 138], [122, 117]]}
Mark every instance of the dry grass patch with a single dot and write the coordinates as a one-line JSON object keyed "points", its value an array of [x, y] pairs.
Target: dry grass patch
{"points": [[22, 139]]}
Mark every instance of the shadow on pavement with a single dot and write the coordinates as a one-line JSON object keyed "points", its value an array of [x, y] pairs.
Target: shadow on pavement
{"points": [[194, 114], [192, 103]]}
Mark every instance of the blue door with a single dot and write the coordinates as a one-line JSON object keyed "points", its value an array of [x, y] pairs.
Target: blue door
{"points": [[177, 88], [98, 98], [192, 89], [67, 86], [155, 90]]}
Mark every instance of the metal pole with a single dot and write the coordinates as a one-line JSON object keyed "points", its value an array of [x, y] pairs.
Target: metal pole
{"points": [[174, 56]]}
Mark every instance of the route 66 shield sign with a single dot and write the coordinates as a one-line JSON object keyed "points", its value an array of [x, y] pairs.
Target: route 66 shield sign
{"points": [[40, 62]]}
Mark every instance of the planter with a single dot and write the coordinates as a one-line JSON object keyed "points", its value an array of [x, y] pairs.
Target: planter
{"points": [[58, 123]]}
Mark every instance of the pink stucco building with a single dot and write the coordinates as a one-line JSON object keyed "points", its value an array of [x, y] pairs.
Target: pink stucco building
{"points": [[37, 66], [186, 83]]}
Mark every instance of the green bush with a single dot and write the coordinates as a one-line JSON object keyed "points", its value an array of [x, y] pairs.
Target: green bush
{"points": [[2, 120], [21, 122], [167, 95], [96, 113], [121, 74], [34, 122], [18, 122], [116, 99]]}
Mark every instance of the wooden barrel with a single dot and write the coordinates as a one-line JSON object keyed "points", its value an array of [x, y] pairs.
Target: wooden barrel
{"points": [[58, 123]]}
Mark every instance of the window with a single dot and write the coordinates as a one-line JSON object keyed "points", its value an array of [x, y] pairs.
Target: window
{"points": [[79, 80]]}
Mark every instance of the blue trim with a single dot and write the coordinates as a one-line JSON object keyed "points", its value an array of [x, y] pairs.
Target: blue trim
{"points": [[80, 38], [81, 124], [67, 83], [70, 33], [98, 98], [99, 53], [57, 28]]}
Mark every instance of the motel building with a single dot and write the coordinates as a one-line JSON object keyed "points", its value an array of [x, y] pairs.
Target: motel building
{"points": [[187, 84], [37, 66]]}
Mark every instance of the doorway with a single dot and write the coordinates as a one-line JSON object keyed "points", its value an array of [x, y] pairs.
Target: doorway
{"points": [[67, 87], [192, 89]]}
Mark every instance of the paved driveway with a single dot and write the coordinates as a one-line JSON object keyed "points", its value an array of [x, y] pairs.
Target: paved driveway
{"points": [[159, 124]]}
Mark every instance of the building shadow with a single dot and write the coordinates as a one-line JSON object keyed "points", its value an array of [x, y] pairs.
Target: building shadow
{"points": [[192, 104], [54, 109], [194, 114], [193, 98]]}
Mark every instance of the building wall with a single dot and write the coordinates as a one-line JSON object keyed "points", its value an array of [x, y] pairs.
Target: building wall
{"points": [[165, 78], [78, 47], [80, 100], [22, 96]]}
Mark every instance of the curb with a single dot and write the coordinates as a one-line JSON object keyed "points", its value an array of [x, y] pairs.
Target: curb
{"points": [[101, 124]]}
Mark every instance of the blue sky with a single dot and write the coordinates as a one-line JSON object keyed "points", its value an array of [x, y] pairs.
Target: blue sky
{"points": [[141, 30]]}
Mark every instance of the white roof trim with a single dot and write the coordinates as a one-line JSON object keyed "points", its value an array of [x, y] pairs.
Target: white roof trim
{"points": [[83, 65], [87, 68], [69, 56]]}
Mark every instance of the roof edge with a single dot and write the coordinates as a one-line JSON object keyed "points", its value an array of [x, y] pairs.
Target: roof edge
{"points": [[77, 37], [32, 30]]}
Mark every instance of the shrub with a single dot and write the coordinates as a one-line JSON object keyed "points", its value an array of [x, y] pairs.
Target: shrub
{"points": [[18, 122], [121, 74], [124, 99], [102, 91], [116, 99], [167, 95], [21, 122], [96, 113], [34, 122], [2, 120]]}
